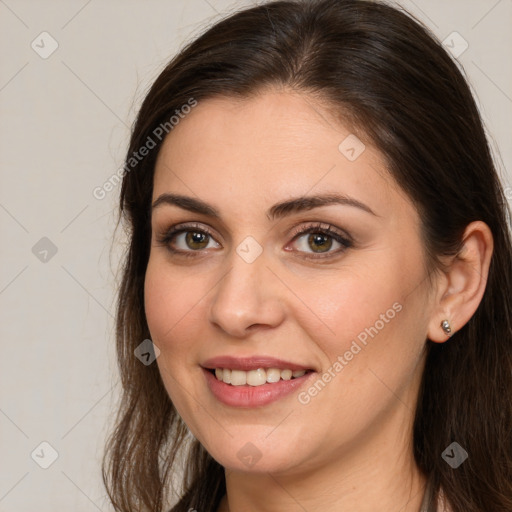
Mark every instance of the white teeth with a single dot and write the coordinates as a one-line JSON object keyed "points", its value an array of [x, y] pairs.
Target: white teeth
{"points": [[256, 377], [225, 375], [238, 377], [286, 374], [273, 375]]}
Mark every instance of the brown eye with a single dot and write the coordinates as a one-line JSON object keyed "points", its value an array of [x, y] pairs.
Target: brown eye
{"points": [[187, 240], [196, 240], [319, 240]]}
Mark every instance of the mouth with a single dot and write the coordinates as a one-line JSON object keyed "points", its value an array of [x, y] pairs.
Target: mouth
{"points": [[253, 381], [257, 377], [250, 395]]}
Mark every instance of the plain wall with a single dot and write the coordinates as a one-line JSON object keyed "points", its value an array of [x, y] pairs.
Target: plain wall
{"points": [[64, 127]]}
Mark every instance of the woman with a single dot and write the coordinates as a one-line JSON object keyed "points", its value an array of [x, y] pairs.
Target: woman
{"points": [[320, 255]]}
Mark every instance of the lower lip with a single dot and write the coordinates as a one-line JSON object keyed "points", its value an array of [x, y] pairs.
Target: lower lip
{"points": [[253, 396]]}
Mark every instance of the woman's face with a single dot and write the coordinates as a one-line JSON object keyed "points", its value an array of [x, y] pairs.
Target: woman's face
{"points": [[351, 305]]}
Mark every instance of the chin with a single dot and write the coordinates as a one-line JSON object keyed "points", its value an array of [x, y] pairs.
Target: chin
{"points": [[255, 454]]}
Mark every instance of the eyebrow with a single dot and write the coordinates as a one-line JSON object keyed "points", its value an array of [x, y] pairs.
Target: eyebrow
{"points": [[279, 210]]}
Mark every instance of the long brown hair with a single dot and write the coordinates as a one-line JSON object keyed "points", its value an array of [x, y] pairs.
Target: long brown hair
{"points": [[393, 82]]}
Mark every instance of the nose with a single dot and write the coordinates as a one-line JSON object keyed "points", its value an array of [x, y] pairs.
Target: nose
{"points": [[248, 297]]}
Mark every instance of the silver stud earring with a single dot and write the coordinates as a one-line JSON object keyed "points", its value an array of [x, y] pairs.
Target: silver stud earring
{"points": [[445, 325]]}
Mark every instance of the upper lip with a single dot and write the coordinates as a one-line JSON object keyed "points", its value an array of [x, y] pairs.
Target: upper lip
{"points": [[251, 363]]}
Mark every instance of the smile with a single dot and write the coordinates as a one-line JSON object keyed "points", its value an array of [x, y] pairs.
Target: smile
{"points": [[256, 377], [255, 395]]}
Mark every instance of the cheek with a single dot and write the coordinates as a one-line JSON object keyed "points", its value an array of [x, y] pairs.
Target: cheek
{"points": [[349, 305], [376, 332], [371, 314], [159, 306], [172, 305], [173, 310]]}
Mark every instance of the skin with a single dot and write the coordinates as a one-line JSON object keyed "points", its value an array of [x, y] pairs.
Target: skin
{"points": [[350, 447]]}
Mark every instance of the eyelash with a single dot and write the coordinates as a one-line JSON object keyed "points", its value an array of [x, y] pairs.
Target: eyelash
{"points": [[324, 229]]}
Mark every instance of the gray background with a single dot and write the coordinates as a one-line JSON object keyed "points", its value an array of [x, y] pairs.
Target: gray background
{"points": [[64, 127]]}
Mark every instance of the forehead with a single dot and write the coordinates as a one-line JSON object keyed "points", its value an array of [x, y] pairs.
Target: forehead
{"points": [[271, 146]]}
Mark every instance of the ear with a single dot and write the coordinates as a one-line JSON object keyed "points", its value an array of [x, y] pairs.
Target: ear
{"points": [[462, 284]]}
